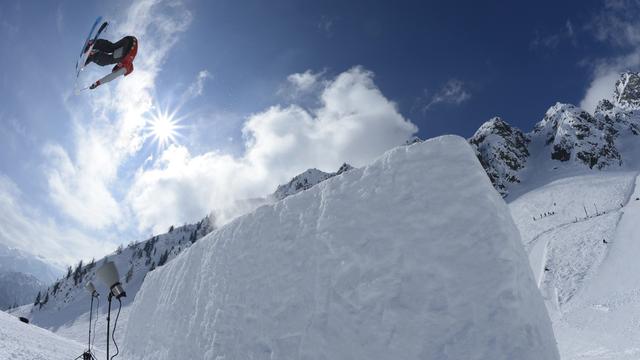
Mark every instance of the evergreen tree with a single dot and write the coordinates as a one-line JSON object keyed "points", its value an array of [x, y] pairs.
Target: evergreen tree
{"points": [[46, 300], [129, 274], [163, 258], [77, 274], [37, 299]]}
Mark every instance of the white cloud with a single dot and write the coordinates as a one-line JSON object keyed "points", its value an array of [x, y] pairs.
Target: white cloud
{"points": [[79, 190], [303, 81], [453, 92], [195, 89], [25, 228], [617, 24], [302, 86], [601, 87], [605, 76], [355, 123], [112, 132]]}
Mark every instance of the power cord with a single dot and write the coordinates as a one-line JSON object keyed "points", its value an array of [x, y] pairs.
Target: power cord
{"points": [[95, 323], [113, 334]]}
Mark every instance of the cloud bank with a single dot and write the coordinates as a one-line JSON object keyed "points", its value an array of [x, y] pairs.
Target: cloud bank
{"points": [[354, 123], [618, 24], [27, 228]]}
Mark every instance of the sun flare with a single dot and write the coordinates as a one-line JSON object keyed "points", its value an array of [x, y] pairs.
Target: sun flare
{"points": [[163, 128]]}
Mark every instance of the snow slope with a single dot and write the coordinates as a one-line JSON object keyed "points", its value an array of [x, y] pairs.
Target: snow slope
{"points": [[569, 200], [413, 257], [14, 260], [604, 319], [586, 266], [65, 305], [17, 288], [20, 341]]}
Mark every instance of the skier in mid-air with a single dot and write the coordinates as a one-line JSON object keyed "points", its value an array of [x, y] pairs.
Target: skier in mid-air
{"points": [[104, 52]]}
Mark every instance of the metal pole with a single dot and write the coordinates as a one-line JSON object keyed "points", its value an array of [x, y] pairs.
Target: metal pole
{"points": [[90, 317], [108, 323]]}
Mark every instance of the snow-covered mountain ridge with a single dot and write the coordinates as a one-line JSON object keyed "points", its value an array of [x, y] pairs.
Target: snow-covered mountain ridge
{"points": [[305, 181], [14, 260], [63, 306], [17, 288], [566, 137], [22, 275]]}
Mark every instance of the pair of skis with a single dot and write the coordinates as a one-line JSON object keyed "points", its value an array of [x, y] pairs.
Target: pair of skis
{"points": [[86, 49]]}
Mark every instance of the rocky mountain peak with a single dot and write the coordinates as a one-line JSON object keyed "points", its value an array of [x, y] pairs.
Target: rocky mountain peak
{"points": [[306, 180], [627, 90], [344, 168], [574, 134], [502, 151]]}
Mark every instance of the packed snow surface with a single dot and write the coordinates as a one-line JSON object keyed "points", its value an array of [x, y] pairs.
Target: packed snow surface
{"points": [[584, 252], [602, 323], [20, 341], [413, 257]]}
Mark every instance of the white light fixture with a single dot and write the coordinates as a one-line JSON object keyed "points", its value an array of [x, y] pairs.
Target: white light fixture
{"points": [[91, 288], [109, 275]]}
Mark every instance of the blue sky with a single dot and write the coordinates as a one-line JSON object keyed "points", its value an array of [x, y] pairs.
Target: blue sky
{"points": [[262, 90]]}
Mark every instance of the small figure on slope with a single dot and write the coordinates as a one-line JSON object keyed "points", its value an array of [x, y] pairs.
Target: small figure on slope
{"points": [[121, 53]]}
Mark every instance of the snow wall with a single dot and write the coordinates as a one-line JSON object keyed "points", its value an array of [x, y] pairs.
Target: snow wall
{"points": [[415, 256]]}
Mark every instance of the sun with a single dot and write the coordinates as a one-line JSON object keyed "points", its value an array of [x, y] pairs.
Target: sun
{"points": [[163, 128]]}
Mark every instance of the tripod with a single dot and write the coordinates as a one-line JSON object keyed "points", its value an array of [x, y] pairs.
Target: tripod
{"points": [[88, 355]]}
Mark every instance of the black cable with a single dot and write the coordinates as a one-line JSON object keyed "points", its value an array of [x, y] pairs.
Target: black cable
{"points": [[113, 333], [95, 323]]}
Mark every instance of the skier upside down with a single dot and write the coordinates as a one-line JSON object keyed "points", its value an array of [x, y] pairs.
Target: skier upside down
{"points": [[121, 53]]}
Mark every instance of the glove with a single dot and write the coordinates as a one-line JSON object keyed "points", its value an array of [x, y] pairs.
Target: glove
{"points": [[94, 85]]}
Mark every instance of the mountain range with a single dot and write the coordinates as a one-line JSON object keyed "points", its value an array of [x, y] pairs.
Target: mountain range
{"points": [[567, 139]]}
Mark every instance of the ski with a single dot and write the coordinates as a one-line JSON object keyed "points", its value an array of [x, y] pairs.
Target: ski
{"points": [[85, 54], [84, 45]]}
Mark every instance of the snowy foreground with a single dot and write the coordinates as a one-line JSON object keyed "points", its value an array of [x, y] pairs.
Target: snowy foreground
{"points": [[413, 257], [22, 341]]}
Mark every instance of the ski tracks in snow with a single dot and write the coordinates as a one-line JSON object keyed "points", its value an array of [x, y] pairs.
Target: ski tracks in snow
{"points": [[565, 256]]}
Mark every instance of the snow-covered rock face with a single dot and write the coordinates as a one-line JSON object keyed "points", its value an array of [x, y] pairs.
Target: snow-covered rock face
{"points": [[627, 91], [566, 137], [306, 180], [502, 151], [14, 260], [17, 288], [413, 257], [622, 120], [574, 134]]}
